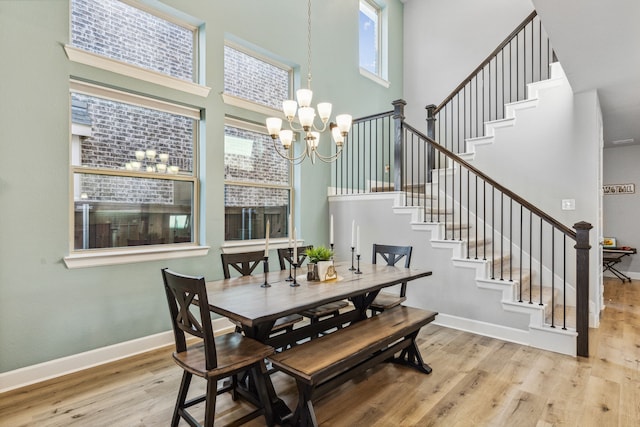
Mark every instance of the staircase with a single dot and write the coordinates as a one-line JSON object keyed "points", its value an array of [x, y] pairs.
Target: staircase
{"points": [[508, 269]]}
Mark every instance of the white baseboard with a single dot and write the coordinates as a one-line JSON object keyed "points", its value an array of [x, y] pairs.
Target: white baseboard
{"points": [[557, 341], [77, 362], [505, 333]]}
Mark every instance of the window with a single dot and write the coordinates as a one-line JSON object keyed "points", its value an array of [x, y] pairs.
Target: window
{"points": [[370, 40], [257, 183], [252, 81], [257, 186], [134, 180], [116, 30]]}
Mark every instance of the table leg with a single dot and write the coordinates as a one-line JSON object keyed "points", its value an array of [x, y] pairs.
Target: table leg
{"points": [[281, 412]]}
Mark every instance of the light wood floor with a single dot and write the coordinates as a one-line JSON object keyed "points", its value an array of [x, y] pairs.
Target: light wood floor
{"points": [[476, 381]]}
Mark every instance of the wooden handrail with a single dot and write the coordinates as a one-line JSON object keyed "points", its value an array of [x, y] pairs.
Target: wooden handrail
{"points": [[543, 215], [483, 64]]}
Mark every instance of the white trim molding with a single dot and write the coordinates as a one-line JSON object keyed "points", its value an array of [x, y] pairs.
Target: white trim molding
{"points": [[138, 254], [99, 61], [77, 362]]}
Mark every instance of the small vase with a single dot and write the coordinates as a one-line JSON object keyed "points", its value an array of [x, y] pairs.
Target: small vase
{"points": [[312, 271]]}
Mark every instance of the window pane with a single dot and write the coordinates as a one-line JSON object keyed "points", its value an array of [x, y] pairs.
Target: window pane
{"points": [[247, 210], [251, 157], [116, 211], [369, 37], [119, 130], [124, 33], [255, 80]]}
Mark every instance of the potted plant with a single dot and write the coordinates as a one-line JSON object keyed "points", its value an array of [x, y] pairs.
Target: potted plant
{"points": [[320, 263]]}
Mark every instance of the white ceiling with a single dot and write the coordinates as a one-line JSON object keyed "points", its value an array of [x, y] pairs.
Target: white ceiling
{"points": [[598, 44]]}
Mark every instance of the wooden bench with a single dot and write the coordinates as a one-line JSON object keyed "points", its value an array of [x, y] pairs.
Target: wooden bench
{"points": [[322, 364]]}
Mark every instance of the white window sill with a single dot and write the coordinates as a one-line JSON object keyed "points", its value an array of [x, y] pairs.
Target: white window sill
{"points": [[376, 78], [236, 246], [94, 60], [235, 101], [133, 255]]}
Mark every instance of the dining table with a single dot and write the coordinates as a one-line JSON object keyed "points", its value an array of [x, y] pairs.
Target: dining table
{"points": [[257, 301]]}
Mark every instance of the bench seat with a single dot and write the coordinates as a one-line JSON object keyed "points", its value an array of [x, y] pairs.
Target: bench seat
{"points": [[322, 364]]}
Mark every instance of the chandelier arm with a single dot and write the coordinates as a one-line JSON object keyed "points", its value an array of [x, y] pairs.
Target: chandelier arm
{"points": [[331, 158], [324, 127], [293, 128], [294, 159]]}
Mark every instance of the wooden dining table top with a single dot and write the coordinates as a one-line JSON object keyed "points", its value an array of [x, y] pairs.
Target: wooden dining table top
{"points": [[244, 300]]}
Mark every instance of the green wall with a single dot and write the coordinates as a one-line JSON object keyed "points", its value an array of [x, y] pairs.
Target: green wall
{"points": [[48, 311]]}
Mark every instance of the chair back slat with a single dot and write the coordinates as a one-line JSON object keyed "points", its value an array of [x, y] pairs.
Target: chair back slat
{"points": [[244, 262], [284, 256], [189, 309], [392, 254]]}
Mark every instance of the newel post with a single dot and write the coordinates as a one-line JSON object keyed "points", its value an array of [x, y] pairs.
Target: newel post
{"points": [[398, 165], [431, 133], [582, 286]]}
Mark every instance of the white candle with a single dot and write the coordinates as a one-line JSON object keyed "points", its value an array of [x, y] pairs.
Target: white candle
{"points": [[331, 230], [295, 247], [353, 233], [358, 241], [266, 240], [289, 233]]}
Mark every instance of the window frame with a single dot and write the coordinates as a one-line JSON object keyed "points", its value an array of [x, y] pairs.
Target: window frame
{"points": [[381, 77], [195, 87], [109, 256], [246, 104], [231, 246]]}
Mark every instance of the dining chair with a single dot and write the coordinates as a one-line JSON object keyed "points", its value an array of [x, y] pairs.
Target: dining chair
{"points": [[245, 263], [284, 256], [391, 254], [211, 358], [316, 313]]}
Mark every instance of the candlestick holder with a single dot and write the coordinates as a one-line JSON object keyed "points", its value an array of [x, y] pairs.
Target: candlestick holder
{"points": [[295, 282], [290, 279], [358, 270], [353, 250], [266, 284]]}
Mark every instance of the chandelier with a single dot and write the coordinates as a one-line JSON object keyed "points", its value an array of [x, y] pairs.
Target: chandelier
{"points": [[306, 116]]}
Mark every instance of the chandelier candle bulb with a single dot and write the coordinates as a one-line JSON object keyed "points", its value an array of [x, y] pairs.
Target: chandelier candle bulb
{"points": [[324, 111], [274, 125], [304, 97], [151, 154], [139, 155], [164, 157]]}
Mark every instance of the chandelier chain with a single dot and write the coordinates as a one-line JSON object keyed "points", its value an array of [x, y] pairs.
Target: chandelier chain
{"points": [[309, 44]]}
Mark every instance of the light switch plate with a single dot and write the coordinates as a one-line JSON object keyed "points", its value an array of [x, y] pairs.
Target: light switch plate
{"points": [[568, 204]]}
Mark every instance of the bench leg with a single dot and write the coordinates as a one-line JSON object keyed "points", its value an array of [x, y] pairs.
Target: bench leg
{"points": [[411, 356], [305, 414]]}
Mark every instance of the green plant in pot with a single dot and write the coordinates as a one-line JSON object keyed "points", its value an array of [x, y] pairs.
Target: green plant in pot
{"points": [[320, 263], [319, 253]]}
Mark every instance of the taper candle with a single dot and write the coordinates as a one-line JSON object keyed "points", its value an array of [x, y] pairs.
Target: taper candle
{"points": [[331, 230], [266, 240]]}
